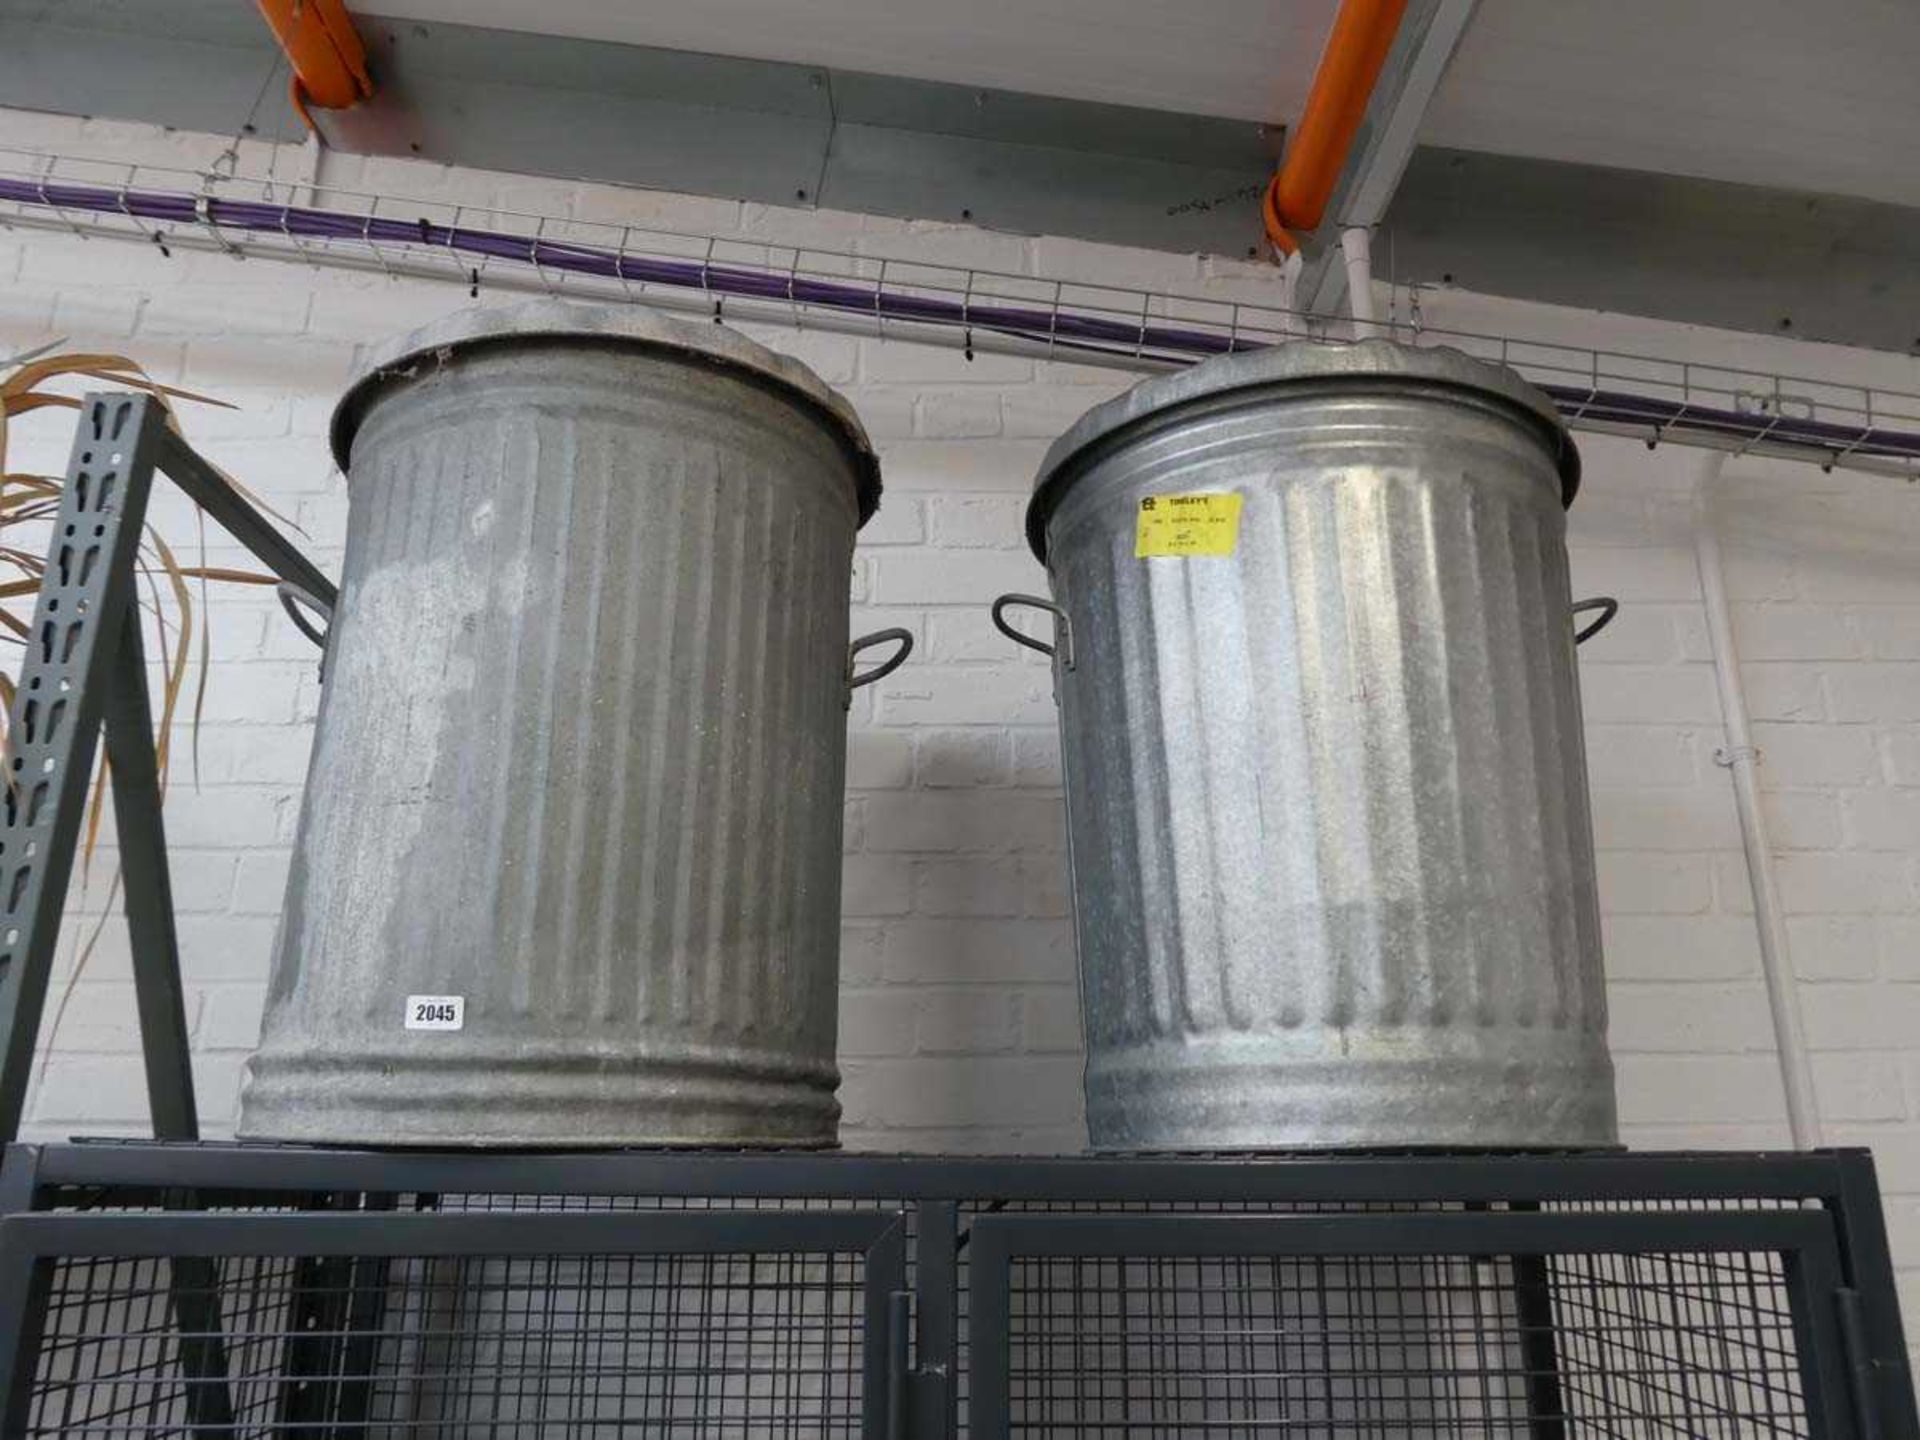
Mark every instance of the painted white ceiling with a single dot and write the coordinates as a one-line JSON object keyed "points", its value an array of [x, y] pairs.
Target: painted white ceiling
{"points": [[1798, 94], [1786, 93], [1250, 59]]}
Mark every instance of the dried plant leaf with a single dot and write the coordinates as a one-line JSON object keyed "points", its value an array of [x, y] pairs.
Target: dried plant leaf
{"points": [[115, 368], [21, 404], [173, 669], [206, 644], [33, 354], [36, 371], [96, 808], [231, 577], [152, 387]]}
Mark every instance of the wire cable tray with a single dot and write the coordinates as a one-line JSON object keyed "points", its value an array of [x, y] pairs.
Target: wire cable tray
{"points": [[1854, 427]]}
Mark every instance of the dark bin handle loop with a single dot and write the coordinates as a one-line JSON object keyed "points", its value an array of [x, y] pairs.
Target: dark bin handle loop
{"points": [[1062, 627], [1608, 608], [298, 604], [902, 638]]}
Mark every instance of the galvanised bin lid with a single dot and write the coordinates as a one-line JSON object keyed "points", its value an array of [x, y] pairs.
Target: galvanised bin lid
{"points": [[700, 342], [1322, 366]]}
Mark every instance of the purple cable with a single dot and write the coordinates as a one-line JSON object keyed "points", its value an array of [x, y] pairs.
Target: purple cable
{"points": [[1076, 331]]}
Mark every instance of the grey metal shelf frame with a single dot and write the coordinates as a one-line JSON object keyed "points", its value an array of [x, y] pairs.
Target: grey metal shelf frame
{"points": [[82, 670], [212, 1289]]}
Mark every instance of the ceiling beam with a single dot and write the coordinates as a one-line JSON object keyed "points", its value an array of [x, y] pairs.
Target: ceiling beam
{"points": [[1831, 268], [191, 64], [1429, 33], [792, 135]]}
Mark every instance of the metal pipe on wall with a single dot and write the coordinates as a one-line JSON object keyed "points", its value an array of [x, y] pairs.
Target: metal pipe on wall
{"points": [[1742, 760], [1356, 247]]}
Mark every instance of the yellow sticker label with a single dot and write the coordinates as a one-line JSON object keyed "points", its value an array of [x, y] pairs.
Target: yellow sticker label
{"points": [[1205, 524]]}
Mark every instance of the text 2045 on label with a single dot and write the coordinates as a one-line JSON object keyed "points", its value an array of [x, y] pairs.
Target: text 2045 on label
{"points": [[435, 1012]]}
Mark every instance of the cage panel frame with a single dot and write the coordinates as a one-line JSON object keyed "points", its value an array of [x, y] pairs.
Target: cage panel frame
{"points": [[31, 1243], [1803, 1238], [924, 1329]]}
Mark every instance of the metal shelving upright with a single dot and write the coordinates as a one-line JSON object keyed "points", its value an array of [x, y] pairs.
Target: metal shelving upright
{"points": [[82, 671]]}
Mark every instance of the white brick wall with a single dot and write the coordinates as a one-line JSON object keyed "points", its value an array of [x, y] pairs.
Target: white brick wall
{"points": [[959, 1022]]}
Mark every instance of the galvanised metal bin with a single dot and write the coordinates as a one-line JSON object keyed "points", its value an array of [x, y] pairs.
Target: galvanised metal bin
{"points": [[1332, 858], [568, 871]]}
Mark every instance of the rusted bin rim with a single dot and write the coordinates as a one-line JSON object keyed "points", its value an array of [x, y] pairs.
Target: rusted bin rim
{"points": [[1298, 369], [626, 326]]}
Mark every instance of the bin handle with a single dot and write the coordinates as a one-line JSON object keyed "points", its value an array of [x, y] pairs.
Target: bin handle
{"points": [[1062, 627], [902, 638], [1608, 608], [297, 603]]}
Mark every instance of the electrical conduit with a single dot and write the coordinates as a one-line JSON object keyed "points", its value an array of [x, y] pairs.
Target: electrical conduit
{"points": [[1742, 762], [329, 62], [1296, 198]]}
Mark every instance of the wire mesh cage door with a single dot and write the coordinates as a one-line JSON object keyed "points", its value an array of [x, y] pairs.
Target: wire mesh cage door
{"points": [[756, 1324], [1441, 1324]]}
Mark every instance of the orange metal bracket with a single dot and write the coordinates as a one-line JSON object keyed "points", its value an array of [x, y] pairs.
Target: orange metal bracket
{"points": [[1297, 196], [329, 62]]}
